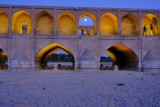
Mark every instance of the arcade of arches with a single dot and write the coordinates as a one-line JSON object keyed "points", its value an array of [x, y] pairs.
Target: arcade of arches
{"points": [[66, 23], [32, 35]]}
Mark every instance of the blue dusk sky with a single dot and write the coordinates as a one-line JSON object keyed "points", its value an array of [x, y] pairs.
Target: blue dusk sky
{"points": [[139, 4]]}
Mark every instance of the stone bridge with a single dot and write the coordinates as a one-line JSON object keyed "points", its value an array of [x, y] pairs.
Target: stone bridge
{"points": [[30, 34]]}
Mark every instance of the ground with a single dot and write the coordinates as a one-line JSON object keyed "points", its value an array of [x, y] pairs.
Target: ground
{"points": [[79, 89]]}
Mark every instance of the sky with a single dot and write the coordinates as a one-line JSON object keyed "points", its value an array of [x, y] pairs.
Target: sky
{"points": [[138, 4]]}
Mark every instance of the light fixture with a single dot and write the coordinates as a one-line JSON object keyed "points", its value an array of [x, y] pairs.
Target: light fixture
{"points": [[85, 20]]}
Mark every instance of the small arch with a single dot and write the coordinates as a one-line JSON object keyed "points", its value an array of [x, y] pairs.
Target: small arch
{"points": [[129, 25], [108, 24], [123, 56], [43, 55], [19, 19], [3, 60], [66, 24], [44, 23], [3, 22], [147, 20], [92, 31]]}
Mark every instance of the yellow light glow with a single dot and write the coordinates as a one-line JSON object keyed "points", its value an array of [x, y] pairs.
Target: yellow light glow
{"points": [[113, 57], [18, 19], [108, 24], [66, 23], [49, 47], [44, 23], [147, 20]]}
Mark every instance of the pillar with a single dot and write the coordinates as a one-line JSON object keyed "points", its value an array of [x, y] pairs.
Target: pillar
{"points": [[77, 23], [33, 22], [119, 23], [139, 23], [98, 22], [76, 65], [10, 20], [55, 22]]}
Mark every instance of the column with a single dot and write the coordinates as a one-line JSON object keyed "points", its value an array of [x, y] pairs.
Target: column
{"points": [[139, 23], [77, 22], [98, 23], [140, 65], [119, 23], [55, 22], [33, 22], [10, 21]]}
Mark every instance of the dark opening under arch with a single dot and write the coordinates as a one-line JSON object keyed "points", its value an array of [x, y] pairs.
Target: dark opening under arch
{"points": [[3, 60], [123, 56]]}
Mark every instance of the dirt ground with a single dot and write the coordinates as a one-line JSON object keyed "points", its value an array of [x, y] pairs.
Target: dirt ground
{"points": [[79, 89]]}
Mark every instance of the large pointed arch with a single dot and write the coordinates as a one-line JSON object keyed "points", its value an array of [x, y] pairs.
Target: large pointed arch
{"points": [[123, 56], [66, 24], [44, 23], [3, 60], [129, 25], [147, 20], [90, 15], [3, 22], [43, 54], [19, 19], [108, 24]]}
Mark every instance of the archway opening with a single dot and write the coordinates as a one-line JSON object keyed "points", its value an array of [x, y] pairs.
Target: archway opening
{"points": [[3, 22], [123, 56], [66, 24], [60, 58], [87, 24], [54, 55], [3, 60], [108, 24], [19, 19], [106, 61], [150, 20], [129, 25], [44, 23]]}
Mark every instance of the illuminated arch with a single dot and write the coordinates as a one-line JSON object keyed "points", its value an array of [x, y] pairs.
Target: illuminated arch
{"points": [[44, 23], [108, 24], [150, 19], [18, 19], [42, 56], [129, 25], [3, 22], [66, 24], [123, 56], [94, 31], [3, 60]]}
